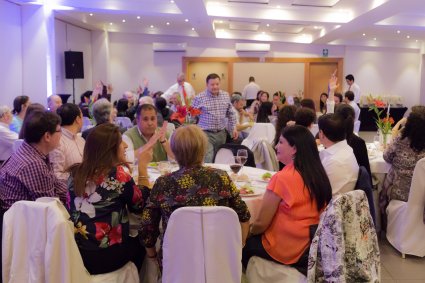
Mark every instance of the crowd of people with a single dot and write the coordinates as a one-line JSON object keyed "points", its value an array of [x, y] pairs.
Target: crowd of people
{"points": [[91, 171]]}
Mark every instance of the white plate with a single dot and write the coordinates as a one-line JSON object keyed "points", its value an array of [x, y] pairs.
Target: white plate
{"points": [[260, 180], [257, 192]]}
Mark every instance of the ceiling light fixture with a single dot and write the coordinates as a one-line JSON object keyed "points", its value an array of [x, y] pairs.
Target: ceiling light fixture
{"points": [[408, 36], [152, 26], [398, 31], [123, 21], [278, 6], [168, 23], [263, 32], [193, 28], [337, 26], [171, 1], [267, 25], [417, 40], [315, 27], [110, 24], [186, 20], [364, 34], [91, 14], [374, 38], [138, 17]]}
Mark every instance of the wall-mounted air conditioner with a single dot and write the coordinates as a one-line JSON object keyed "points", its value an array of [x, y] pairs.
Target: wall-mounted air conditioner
{"points": [[169, 47], [252, 47]]}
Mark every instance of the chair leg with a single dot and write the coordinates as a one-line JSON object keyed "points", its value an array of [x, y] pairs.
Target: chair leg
{"points": [[403, 255]]}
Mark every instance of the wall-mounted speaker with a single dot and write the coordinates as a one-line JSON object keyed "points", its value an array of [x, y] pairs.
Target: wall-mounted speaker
{"points": [[74, 67]]}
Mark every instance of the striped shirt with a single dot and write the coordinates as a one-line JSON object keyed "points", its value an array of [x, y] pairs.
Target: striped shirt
{"points": [[216, 111], [28, 175]]}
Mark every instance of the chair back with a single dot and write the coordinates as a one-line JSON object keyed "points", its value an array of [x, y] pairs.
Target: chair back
{"points": [[345, 246], [406, 228], [203, 245], [123, 122], [364, 184], [39, 246], [226, 152]]}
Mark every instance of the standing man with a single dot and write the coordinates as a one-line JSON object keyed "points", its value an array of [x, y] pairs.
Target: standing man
{"points": [[349, 99], [216, 115], [71, 146], [250, 91], [184, 88], [352, 86]]}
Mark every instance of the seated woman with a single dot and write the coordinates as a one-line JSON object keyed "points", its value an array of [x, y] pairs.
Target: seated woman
{"points": [[323, 99], [264, 112], [192, 185], [20, 105], [262, 96], [286, 114], [101, 190], [294, 199], [403, 154]]}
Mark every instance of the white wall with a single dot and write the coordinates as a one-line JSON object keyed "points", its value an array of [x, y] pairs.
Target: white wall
{"points": [[10, 53]]}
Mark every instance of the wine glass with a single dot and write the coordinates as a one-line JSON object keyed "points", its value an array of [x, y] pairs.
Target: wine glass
{"points": [[236, 166], [243, 154]]}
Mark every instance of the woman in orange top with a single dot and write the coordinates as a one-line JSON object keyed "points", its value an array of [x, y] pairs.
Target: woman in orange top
{"points": [[292, 203]]}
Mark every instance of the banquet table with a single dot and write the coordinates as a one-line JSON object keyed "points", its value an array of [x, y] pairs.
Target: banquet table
{"points": [[254, 180]]}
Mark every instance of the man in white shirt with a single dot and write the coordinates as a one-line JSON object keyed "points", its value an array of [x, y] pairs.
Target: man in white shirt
{"points": [[337, 158], [71, 146], [349, 99], [7, 137], [250, 91], [352, 86], [184, 88]]}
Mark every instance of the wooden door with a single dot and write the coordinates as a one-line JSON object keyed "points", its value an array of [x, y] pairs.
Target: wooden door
{"points": [[318, 74], [197, 72]]}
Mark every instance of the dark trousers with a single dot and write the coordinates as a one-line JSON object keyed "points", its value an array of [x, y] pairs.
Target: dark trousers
{"points": [[114, 257]]}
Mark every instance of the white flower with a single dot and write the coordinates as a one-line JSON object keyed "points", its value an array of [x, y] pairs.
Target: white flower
{"points": [[85, 204]]}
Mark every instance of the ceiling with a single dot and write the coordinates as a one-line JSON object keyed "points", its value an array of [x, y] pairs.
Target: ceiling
{"points": [[389, 23]]}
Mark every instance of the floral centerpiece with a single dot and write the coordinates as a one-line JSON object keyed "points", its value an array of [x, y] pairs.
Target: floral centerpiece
{"points": [[185, 113], [384, 125]]}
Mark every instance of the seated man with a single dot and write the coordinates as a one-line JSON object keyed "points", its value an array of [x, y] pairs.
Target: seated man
{"points": [[71, 147], [102, 113], [28, 174], [146, 129], [349, 99], [7, 137], [54, 102], [337, 158]]}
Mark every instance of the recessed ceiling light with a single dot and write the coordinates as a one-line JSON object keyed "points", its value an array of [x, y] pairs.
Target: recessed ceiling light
{"points": [[278, 6], [267, 25], [171, 1], [152, 26], [374, 38], [263, 32], [138, 17], [364, 34], [110, 24], [193, 28], [337, 26], [168, 23], [408, 36], [186, 20], [123, 21], [91, 14], [398, 31], [220, 22], [417, 40], [315, 27]]}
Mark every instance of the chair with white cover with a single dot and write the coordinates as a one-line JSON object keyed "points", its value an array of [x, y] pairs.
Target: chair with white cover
{"points": [[357, 127], [260, 270], [202, 244], [406, 228], [123, 122], [224, 156], [39, 246]]}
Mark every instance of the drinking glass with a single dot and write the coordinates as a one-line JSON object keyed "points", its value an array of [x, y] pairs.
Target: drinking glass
{"points": [[243, 154], [236, 166]]}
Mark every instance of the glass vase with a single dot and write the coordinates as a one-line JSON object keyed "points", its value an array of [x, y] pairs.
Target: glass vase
{"points": [[385, 139]]}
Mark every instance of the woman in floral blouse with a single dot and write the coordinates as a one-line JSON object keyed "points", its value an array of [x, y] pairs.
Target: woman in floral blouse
{"points": [[191, 185], [101, 190], [403, 154]]}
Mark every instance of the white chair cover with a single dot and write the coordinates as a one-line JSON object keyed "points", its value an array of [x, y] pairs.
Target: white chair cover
{"points": [[202, 244], [357, 126], [224, 156], [262, 131], [124, 122], [264, 154], [260, 270], [170, 129], [406, 229], [39, 246]]}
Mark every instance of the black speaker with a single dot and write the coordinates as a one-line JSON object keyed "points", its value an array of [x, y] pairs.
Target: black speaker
{"points": [[74, 67]]}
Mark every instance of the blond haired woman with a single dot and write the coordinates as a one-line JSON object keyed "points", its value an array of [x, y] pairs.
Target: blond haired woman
{"points": [[192, 185]]}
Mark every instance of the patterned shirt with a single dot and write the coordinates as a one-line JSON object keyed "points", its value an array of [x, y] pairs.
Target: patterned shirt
{"points": [[216, 111], [100, 217], [403, 160], [69, 152], [198, 186], [28, 175]]}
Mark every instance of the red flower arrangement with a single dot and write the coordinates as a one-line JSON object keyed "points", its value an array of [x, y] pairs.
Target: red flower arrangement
{"points": [[184, 113], [384, 124]]}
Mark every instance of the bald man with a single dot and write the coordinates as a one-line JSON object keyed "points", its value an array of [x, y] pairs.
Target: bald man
{"points": [[54, 102], [184, 88]]}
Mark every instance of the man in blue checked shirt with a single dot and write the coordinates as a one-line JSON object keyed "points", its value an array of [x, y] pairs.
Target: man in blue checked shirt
{"points": [[216, 115]]}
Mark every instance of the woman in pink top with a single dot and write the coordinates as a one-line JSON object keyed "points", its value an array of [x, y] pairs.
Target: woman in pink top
{"points": [[292, 203]]}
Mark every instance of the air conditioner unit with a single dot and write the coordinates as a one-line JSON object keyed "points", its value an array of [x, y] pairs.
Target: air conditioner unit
{"points": [[169, 47], [252, 47]]}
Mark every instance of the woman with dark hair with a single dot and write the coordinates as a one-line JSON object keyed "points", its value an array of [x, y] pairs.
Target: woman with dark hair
{"points": [[100, 191], [286, 114], [20, 105], [262, 96], [31, 108], [264, 112], [338, 98], [346, 112], [403, 154], [292, 203], [323, 99]]}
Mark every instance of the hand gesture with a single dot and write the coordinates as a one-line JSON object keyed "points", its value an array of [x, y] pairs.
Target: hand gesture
{"points": [[333, 82]]}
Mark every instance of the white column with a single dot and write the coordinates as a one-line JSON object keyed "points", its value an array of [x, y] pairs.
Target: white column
{"points": [[38, 52]]}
